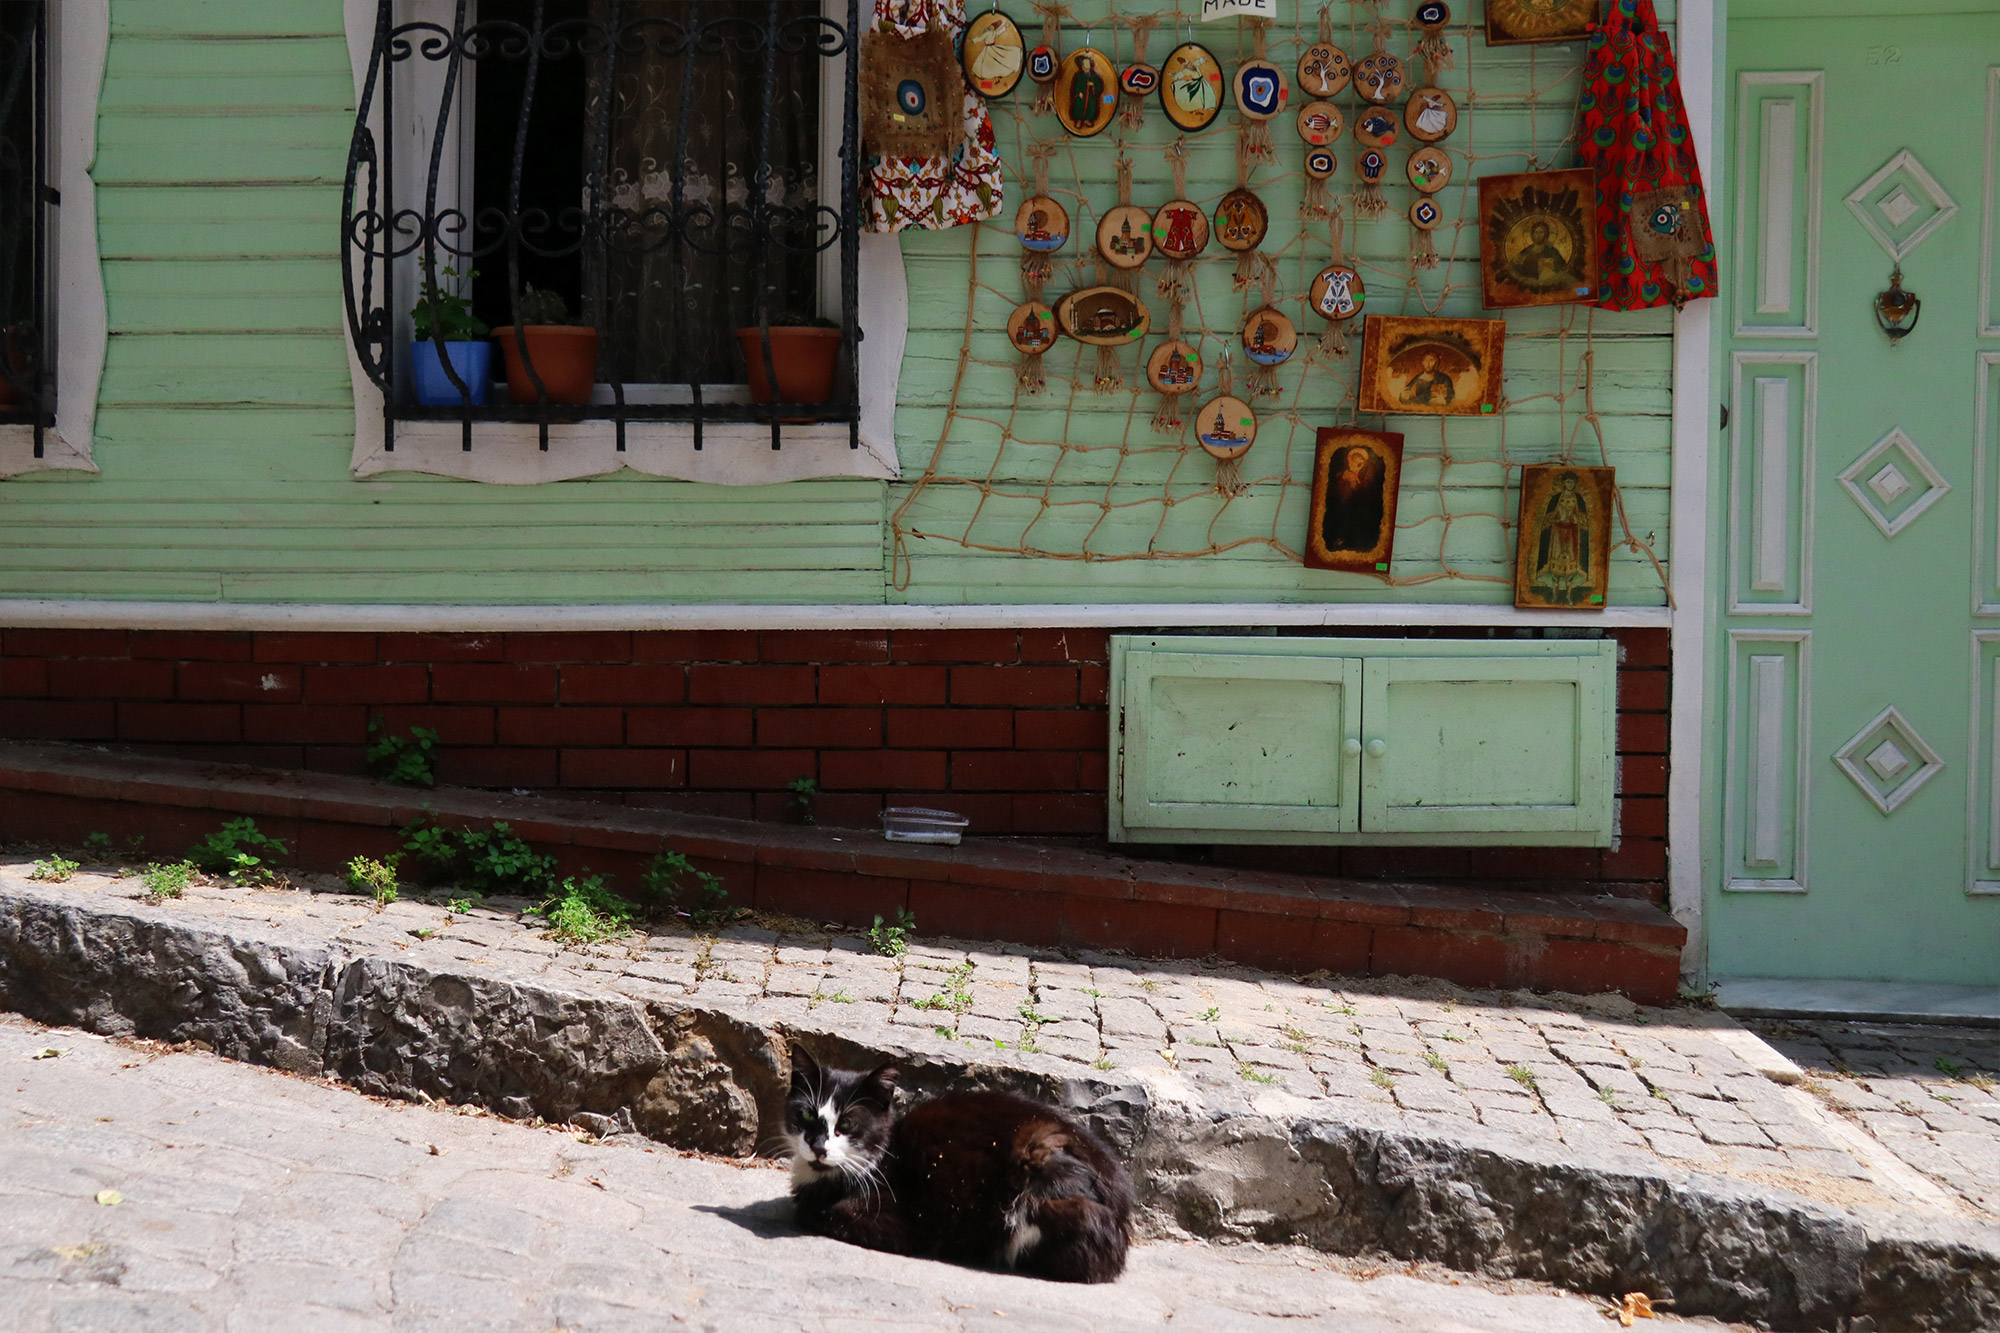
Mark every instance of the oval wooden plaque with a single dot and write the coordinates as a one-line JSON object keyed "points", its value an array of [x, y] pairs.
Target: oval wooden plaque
{"points": [[992, 54], [1191, 86], [1269, 337], [1086, 92], [1430, 114], [1103, 316]]}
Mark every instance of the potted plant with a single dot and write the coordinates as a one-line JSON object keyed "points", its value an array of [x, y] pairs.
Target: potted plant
{"points": [[805, 351], [562, 350], [465, 342]]}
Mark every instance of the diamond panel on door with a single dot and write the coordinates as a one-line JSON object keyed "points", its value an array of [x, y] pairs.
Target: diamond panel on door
{"points": [[1893, 482], [1901, 205], [1888, 760]]}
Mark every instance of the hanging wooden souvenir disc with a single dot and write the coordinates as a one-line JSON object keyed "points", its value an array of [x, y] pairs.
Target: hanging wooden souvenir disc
{"points": [[1241, 221], [1174, 368], [1226, 426], [993, 54], [1320, 164], [1269, 337], [1336, 293], [1032, 328], [1425, 213], [1432, 15], [1139, 80], [1431, 114], [1180, 230], [1261, 91], [1042, 62], [1379, 78], [1103, 316], [1376, 127], [1125, 236], [1323, 70], [1320, 123], [1430, 169], [1086, 92], [1371, 166], [1191, 86], [1041, 224]]}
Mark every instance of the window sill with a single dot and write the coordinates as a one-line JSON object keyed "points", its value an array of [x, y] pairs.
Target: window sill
{"points": [[509, 453]]}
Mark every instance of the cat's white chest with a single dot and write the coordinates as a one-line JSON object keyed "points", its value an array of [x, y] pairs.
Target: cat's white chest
{"points": [[1022, 1235]]}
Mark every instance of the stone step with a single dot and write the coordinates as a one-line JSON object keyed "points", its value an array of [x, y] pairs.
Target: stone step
{"points": [[1019, 891]]}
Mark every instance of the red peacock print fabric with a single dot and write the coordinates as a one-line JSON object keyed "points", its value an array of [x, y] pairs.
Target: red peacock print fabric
{"points": [[1653, 238], [933, 193]]}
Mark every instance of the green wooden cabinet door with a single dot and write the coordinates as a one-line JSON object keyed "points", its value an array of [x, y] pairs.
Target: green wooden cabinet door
{"points": [[1226, 743], [1486, 745]]}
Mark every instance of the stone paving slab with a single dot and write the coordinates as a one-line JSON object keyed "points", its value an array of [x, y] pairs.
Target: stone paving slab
{"points": [[1406, 1116], [251, 1201]]}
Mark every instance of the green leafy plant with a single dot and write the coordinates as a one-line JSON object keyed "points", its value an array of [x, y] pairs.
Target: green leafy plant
{"points": [[450, 312], [956, 995], [1210, 1014], [1251, 1074], [239, 851], [671, 876], [1608, 1095], [495, 860], [375, 878], [408, 762], [54, 870], [799, 799], [892, 941], [1948, 1068], [1437, 1062], [167, 881], [538, 305], [584, 910], [459, 906], [1104, 1062], [1524, 1076], [97, 848], [1383, 1079]]}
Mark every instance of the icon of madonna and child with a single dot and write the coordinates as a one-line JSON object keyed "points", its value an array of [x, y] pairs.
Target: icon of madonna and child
{"points": [[1563, 553]]}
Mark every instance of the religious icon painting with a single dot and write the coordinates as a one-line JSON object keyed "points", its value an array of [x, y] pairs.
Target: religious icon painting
{"points": [[1535, 238], [1125, 236], [1086, 92], [1139, 80], [1435, 367], [1269, 337], [1323, 70], [1320, 164], [1431, 114], [1260, 89], [1241, 221], [1041, 224], [1430, 169], [1226, 427], [993, 54], [1509, 22], [1191, 87], [1562, 550], [1103, 316], [1375, 127], [1351, 521], [1337, 293], [1379, 78], [1174, 368], [1320, 123], [912, 98], [1032, 328], [1180, 229]]}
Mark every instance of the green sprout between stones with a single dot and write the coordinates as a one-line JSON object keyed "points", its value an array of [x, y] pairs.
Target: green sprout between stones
{"points": [[1437, 1062], [1383, 1079], [956, 996], [799, 795], [1949, 1068], [97, 848], [1210, 1014], [1251, 1074], [167, 881], [1104, 1063], [375, 878], [1608, 1096], [495, 860], [892, 940], [239, 851], [1524, 1076], [584, 910], [54, 870]]}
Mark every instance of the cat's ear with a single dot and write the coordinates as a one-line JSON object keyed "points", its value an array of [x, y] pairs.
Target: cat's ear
{"points": [[805, 1071], [878, 1085]]}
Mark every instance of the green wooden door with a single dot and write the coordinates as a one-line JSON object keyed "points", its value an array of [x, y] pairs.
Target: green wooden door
{"points": [[1854, 832]]}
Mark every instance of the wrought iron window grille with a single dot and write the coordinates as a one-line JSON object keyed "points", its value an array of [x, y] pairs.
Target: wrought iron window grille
{"points": [[27, 330], [403, 241]]}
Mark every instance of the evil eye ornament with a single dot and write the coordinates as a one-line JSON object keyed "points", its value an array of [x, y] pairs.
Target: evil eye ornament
{"points": [[1260, 90], [910, 96], [1372, 165], [1666, 219], [1139, 80], [1432, 14], [1042, 64], [1320, 164], [1425, 213]]}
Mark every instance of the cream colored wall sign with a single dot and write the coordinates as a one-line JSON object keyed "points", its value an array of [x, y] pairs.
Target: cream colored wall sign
{"points": [[1238, 9]]}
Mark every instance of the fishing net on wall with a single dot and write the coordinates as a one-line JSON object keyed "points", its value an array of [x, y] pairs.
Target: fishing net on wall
{"points": [[1081, 463]]}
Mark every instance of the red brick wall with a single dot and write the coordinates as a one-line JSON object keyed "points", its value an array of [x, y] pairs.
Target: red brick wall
{"points": [[1005, 726]]}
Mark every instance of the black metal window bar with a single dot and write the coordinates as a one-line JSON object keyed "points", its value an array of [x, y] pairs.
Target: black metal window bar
{"points": [[542, 202], [27, 380]]}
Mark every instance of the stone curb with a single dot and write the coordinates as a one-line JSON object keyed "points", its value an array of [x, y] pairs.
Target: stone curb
{"points": [[1269, 1167]]}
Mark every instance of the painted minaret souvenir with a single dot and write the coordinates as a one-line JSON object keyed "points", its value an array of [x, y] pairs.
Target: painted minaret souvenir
{"points": [[1042, 226], [1269, 336], [1226, 427]]}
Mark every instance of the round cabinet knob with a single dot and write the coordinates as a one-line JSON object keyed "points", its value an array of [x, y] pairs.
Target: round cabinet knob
{"points": [[1377, 748], [1351, 747]]}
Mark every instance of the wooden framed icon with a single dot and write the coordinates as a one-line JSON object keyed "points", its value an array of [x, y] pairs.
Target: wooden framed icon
{"points": [[1535, 238], [993, 54], [1509, 22], [1125, 236], [1041, 224], [1180, 229], [1562, 551], [1191, 86], [1103, 316], [1086, 92], [1032, 328], [1429, 366], [1323, 70], [1351, 521]]}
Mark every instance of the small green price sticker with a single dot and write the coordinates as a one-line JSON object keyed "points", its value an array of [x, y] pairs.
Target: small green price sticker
{"points": [[1382, 565], [1595, 600], [1488, 407]]}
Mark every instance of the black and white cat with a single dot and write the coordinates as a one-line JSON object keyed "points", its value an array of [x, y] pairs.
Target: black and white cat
{"points": [[982, 1177]]}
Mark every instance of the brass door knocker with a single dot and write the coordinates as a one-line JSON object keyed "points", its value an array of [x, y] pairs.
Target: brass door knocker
{"points": [[1896, 310]]}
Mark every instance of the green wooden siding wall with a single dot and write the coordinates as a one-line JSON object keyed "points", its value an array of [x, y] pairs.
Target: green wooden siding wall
{"points": [[225, 419]]}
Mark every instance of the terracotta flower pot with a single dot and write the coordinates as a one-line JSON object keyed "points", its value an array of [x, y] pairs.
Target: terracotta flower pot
{"points": [[804, 357], [565, 358]]}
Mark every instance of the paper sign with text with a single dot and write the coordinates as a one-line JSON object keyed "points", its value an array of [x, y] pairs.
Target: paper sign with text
{"points": [[1238, 9]]}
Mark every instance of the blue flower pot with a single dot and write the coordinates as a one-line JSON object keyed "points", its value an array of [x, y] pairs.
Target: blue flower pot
{"points": [[472, 360]]}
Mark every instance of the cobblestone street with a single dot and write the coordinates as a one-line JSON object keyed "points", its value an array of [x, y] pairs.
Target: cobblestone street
{"points": [[246, 1200]]}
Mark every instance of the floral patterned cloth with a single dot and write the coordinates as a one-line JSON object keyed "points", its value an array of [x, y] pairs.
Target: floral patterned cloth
{"points": [[1635, 135], [933, 193]]}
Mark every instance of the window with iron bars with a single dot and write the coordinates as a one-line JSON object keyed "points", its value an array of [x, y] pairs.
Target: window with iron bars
{"points": [[27, 196], [680, 176]]}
